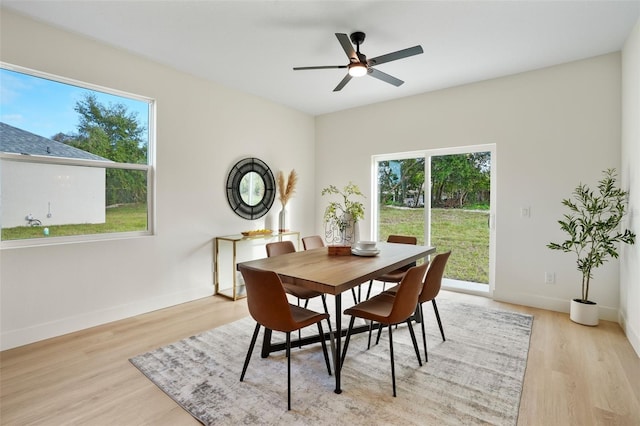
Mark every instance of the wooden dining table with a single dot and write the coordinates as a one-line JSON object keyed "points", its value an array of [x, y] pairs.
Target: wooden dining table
{"points": [[334, 274]]}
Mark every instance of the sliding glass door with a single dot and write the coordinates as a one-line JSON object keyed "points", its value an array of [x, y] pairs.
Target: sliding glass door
{"points": [[452, 211], [401, 195]]}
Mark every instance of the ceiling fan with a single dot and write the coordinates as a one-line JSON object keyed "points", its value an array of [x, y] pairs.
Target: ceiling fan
{"points": [[358, 63]]}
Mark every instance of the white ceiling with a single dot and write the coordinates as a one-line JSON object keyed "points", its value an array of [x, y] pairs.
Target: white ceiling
{"points": [[253, 45]]}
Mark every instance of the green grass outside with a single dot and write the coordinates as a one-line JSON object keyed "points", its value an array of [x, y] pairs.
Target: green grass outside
{"points": [[464, 232], [125, 218]]}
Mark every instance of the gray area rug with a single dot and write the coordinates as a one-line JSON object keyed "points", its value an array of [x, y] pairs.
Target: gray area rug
{"points": [[474, 377]]}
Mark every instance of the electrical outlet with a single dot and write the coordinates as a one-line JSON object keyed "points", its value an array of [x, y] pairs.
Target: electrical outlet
{"points": [[525, 211], [549, 277]]}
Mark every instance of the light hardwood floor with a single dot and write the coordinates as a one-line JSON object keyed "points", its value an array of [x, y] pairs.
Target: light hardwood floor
{"points": [[575, 375]]}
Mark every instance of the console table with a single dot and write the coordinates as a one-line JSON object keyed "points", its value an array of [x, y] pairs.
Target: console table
{"points": [[230, 250]]}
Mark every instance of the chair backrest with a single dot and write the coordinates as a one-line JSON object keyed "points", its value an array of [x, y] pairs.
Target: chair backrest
{"points": [[311, 242], [433, 279], [267, 301], [402, 239], [406, 299], [280, 247]]}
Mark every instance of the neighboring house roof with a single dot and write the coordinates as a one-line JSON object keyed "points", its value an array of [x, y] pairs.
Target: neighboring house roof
{"points": [[15, 140]]}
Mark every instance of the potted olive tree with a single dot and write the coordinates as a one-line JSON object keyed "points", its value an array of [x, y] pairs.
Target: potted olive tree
{"points": [[593, 231]]}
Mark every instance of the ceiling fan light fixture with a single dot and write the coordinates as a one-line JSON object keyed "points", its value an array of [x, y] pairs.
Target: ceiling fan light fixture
{"points": [[357, 69], [359, 65]]}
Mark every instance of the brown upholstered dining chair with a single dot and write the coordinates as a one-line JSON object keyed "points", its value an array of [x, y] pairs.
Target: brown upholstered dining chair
{"points": [[280, 247], [397, 275], [312, 242], [430, 289], [389, 310], [284, 247], [269, 306]]}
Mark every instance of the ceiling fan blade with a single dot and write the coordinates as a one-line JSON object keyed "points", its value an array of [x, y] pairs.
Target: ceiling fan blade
{"points": [[347, 46], [400, 54], [344, 81], [384, 77], [322, 67]]}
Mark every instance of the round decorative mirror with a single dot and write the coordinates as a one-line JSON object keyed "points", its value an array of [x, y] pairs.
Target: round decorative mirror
{"points": [[251, 188]]}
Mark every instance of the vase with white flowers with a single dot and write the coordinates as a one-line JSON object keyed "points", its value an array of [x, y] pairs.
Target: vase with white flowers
{"points": [[341, 217], [286, 188]]}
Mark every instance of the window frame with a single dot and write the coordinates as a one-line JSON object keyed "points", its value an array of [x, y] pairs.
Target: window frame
{"points": [[149, 167]]}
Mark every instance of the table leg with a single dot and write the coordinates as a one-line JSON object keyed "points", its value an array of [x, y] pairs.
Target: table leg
{"points": [[336, 363], [266, 343]]}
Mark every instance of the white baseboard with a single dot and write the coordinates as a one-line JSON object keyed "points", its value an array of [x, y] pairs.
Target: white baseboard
{"points": [[606, 313], [24, 336], [632, 335]]}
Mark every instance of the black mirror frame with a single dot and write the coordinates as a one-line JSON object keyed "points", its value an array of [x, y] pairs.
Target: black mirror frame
{"points": [[237, 204]]}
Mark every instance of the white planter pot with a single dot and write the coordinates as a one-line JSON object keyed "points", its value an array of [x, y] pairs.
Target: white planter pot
{"points": [[584, 313]]}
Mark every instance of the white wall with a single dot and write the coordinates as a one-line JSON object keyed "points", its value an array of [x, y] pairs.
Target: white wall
{"points": [[71, 194], [630, 255], [552, 128], [202, 130]]}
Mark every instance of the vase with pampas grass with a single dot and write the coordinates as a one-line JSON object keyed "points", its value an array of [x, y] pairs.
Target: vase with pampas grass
{"points": [[286, 188]]}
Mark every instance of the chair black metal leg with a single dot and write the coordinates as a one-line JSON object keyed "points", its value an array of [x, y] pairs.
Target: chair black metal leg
{"points": [[324, 347], [288, 370], [370, 328], [424, 335], [435, 309], [369, 289], [326, 311], [300, 331], [253, 343], [414, 341], [346, 341], [393, 366], [353, 292], [379, 333]]}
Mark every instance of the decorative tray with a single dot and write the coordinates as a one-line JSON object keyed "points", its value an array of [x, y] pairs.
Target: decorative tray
{"points": [[336, 250], [257, 232]]}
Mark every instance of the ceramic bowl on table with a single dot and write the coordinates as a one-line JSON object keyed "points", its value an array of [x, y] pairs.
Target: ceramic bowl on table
{"points": [[365, 248], [365, 245]]}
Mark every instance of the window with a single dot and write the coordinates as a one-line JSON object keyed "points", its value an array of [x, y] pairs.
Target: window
{"points": [[75, 160]]}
